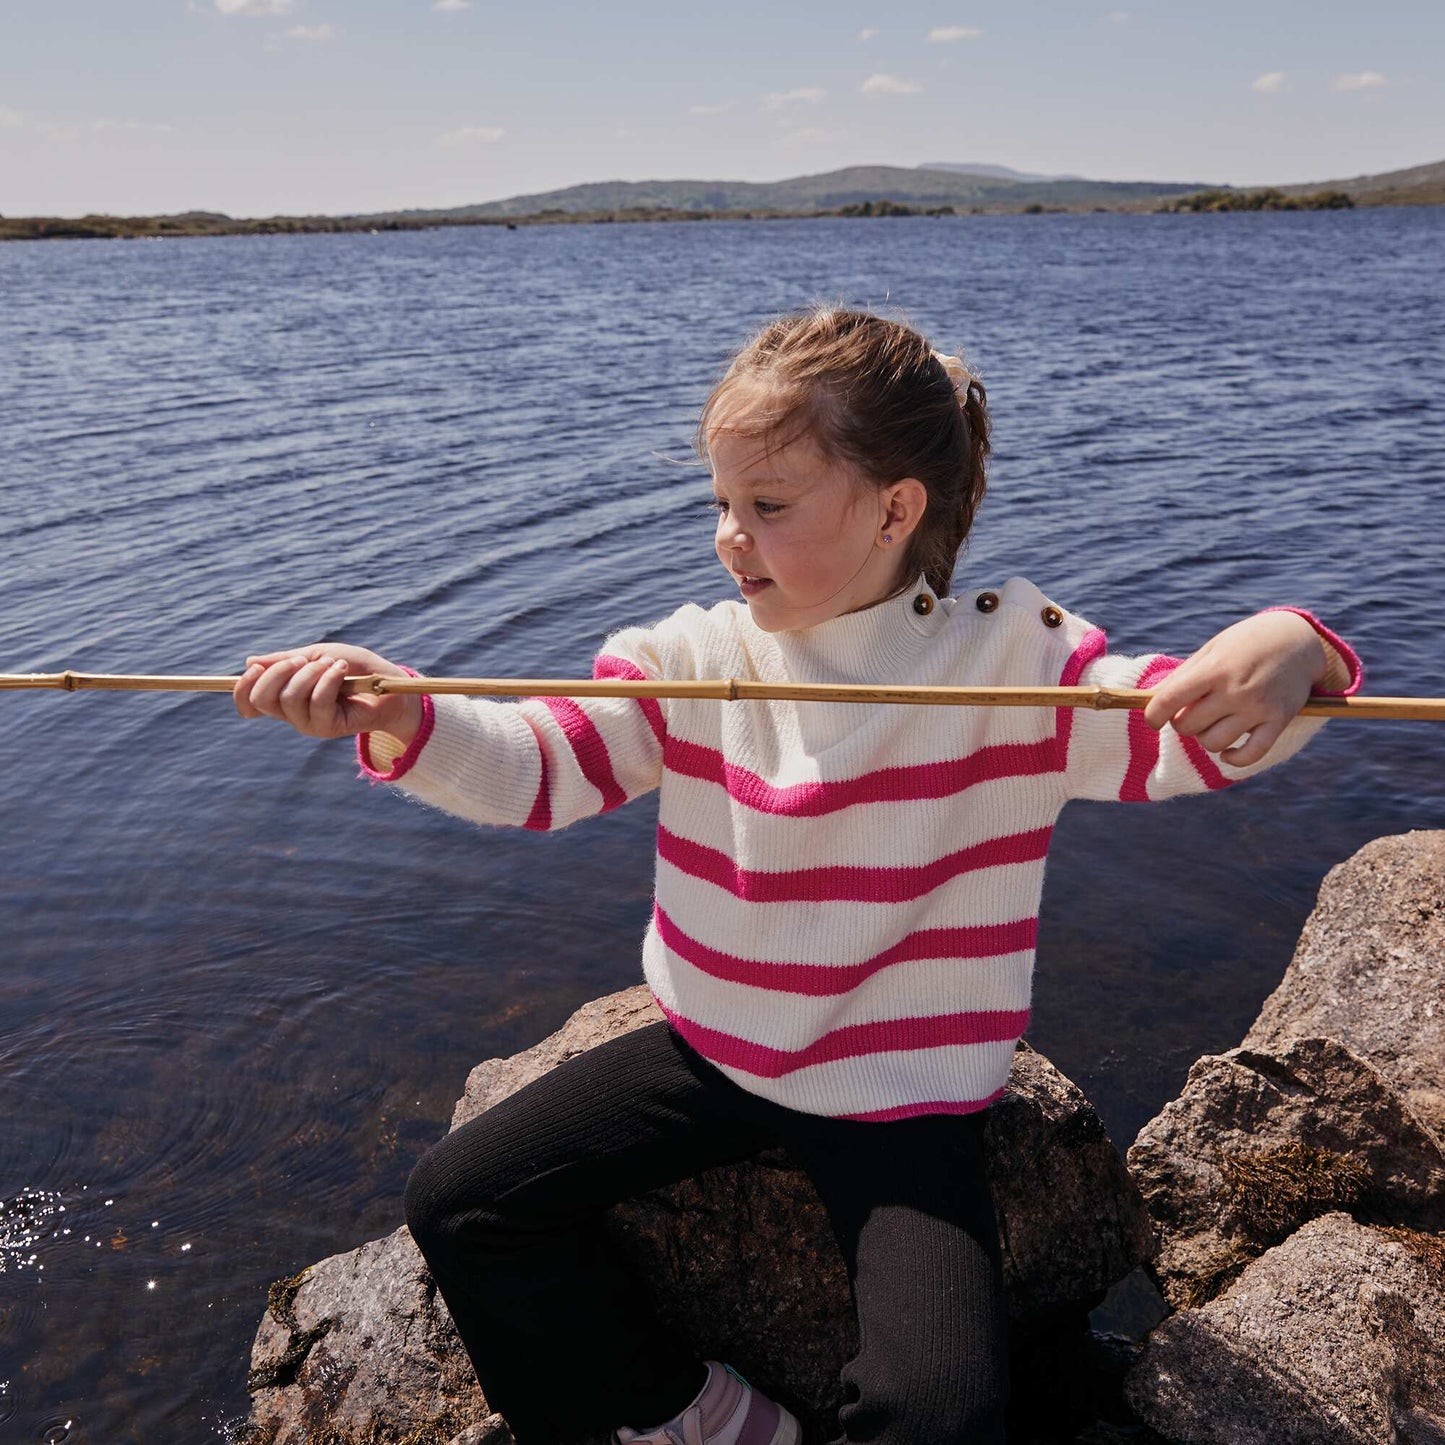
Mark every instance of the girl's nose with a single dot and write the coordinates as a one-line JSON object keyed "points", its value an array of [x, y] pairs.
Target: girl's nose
{"points": [[733, 537]]}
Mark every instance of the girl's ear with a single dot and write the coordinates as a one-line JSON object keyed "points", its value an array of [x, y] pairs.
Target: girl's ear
{"points": [[904, 503]]}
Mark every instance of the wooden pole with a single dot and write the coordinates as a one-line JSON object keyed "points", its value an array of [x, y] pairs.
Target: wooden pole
{"points": [[725, 690]]}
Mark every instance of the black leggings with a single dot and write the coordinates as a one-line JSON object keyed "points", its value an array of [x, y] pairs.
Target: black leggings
{"points": [[507, 1211]]}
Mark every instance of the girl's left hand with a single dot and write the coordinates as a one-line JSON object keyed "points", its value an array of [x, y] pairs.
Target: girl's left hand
{"points": [[1251, 678]]}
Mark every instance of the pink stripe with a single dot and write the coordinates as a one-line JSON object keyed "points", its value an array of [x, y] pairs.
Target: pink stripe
{"points": [[539, 820], [887, 785], [932, 1106], [608, 666], [1352, 661], [1143, 740], [588, 748], [931, 1031], [842, 883], [402, 765], [1093, 645], [825, 980], [1204, 765]]}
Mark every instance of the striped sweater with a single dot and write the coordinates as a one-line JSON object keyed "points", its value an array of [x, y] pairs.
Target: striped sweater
{"points": [[847, 895]]}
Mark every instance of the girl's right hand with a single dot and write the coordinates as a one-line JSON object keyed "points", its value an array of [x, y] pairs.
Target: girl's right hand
{"points": [[302, 686]]}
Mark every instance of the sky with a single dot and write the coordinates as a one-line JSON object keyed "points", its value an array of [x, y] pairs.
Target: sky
{"points": [[259, 107]]}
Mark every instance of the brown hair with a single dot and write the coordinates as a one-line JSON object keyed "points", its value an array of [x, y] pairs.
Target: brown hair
{"points": [[873, 394]]}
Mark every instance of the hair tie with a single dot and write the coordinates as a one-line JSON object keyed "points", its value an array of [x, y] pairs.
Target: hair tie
{"points": [[956, 369]]}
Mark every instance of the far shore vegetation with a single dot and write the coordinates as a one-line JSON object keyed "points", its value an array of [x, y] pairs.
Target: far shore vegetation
{"points": [[213, 223]]}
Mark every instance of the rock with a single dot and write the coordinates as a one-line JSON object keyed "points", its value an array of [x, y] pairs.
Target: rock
{"points": [[1335, 1337], [594, 1023], [358, 1338], [740, 1259], [1370, 969], [1259, 1143], [1044, 1142], [491, 1431]]}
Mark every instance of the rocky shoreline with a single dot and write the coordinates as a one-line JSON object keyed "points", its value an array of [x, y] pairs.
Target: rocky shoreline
{"points": [[1289, 1206]]}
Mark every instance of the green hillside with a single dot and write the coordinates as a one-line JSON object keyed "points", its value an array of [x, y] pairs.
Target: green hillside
{"points": [[1416, 186], [920, 188]]}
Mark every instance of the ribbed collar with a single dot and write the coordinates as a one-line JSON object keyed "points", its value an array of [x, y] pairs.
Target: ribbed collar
{"points": [[875, 644]]}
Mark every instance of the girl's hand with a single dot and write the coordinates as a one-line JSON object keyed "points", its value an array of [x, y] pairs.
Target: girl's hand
{"points": [[1251, 678], [302, 686]]}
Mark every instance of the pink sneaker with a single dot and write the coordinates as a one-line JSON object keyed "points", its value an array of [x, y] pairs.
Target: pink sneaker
{"points": [[727, 1412]]}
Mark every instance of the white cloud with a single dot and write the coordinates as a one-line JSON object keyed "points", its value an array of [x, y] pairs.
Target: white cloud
{"points": [[1270, 83], [1364, 80], [890, 85], [310, 32], [726, 105], [803, 95], [10, 117], [868, 33], [471, 134], [942, 34], [1117, 17], [452, 5], [253, 7]]}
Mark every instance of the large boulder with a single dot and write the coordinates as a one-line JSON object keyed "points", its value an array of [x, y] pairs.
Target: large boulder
{"points": [[1258, 1143], [1370, 969], [356, 1339], [1335, 1337], [740, 1260]]}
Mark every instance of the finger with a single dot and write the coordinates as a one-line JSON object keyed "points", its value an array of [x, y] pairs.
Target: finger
{"points": [[266, 691], [1170, 698], [1226, 732], [326, 699], [1195, 719], [1261, 740], [296, 696], [309, 651], [241, 693]]}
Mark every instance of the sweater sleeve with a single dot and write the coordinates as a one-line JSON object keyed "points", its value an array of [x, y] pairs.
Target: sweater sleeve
{"points": [[542, 763], [1114, 755]]}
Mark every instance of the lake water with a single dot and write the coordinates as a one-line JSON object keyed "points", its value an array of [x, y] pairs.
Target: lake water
{"points": [[241, 990]]}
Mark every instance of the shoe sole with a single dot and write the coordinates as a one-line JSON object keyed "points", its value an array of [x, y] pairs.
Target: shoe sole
{"points": [[789, 1432]]}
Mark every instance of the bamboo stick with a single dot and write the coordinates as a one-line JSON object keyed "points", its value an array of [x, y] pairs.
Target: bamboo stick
{"points": [[723, 689]]}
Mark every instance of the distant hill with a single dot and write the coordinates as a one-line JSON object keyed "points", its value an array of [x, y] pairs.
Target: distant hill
{"points": [[1000, 173], [964, 186], [856, 190], [911, 186], [1417, 186]]}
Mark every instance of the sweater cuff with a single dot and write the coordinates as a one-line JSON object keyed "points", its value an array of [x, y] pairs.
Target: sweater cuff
{"points": [[1346, 672], [381, 762]]}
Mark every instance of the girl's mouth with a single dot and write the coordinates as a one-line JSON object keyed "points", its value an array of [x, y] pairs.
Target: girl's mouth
{"points": [[751, 586]]}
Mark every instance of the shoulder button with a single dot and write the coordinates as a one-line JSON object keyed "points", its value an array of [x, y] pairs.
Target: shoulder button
{"points": [[923, 604], [986, 601], [1052, 617]]}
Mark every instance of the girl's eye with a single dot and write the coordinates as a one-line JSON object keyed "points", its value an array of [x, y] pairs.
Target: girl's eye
{"points": [[763, 509]]}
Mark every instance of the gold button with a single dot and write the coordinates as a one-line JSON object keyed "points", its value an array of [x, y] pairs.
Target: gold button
{"points": [[1052, 616], [923, 604], [986, 601]]}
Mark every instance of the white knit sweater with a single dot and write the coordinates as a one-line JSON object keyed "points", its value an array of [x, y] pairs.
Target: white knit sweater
{"points": [[847, 895]]}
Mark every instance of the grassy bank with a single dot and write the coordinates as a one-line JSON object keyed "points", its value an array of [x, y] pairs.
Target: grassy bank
{"points": [[211, 223]]}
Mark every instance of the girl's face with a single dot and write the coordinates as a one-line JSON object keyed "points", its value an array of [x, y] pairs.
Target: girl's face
{"points": [[798, 532]]}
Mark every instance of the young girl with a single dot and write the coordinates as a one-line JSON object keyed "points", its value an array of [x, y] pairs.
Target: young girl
{"points": [[843, 935]]}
